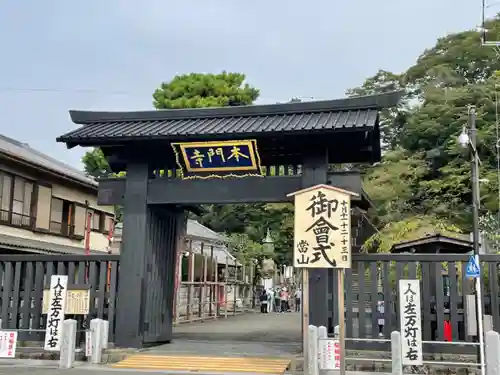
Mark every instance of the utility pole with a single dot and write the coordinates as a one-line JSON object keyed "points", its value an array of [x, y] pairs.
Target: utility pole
{"points": [[475, 227]]}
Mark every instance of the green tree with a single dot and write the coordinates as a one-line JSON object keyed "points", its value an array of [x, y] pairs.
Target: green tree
{"points": [[95, 164], [198, 90], [392, 120], [253, 221], [392, 185], [249, 252], [455, 60], [409, 229], [423, 183]]}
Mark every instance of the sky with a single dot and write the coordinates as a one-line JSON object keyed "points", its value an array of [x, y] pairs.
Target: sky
{"points": [[58, 55]]}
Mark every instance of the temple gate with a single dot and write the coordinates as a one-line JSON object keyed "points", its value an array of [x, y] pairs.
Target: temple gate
{"points": [[176, 160]]}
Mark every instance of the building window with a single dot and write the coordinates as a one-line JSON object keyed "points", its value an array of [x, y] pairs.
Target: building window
{"points": [[21, 202], [61, 217], [109, 223], [16, 198], [101, 222], [5, 195], [96, 221]]}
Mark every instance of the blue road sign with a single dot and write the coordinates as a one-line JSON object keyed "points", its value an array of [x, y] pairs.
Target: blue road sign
{"points": [[472, 270]]}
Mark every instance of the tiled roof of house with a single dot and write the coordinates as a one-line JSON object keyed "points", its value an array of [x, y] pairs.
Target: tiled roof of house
{"points": [[22, 151], [196, 229], [41, 247]]}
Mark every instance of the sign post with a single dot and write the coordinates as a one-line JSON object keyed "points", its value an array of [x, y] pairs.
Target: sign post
{"points": [[473, 271], [322, 239], [411, 322], [8, 343], [55, 315]]}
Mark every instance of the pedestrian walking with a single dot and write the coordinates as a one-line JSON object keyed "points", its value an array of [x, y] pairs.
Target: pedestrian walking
{"points": [[298, 297], [270, 300], [284, 300], [263, 302], [381, 311], [277, 300]]}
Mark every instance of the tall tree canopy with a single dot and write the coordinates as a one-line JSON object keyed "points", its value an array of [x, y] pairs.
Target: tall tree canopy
{"points": [[198, 90], [424, 179]]}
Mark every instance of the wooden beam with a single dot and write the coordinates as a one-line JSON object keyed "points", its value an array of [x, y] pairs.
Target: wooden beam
{"points": [[269, 189]]}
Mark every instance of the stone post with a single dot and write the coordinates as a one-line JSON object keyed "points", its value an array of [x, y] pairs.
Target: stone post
{"points": [[396, 353], [492, 350], [96, 326], [105, 334], [68, 344], [312, 358], [322, 335]]}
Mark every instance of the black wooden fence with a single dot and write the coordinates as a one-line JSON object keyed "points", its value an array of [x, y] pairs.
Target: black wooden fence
{"points": [[373, 278], [443, 285], [24, 277]]}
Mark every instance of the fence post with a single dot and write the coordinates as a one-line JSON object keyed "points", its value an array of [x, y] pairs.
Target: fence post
{"points": [[396, 353], [68, 343], [312, 358], [96, 327], [492, 348]]}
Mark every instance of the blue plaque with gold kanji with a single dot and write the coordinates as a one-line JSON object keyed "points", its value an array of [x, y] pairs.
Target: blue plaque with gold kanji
{"points": [[218, 159]]}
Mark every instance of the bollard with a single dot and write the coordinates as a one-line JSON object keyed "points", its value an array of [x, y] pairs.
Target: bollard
{"points": [[68, 344], [396, 353], [96, 326], [312, 358], [492, 348], [336, 332], [105, 334]]}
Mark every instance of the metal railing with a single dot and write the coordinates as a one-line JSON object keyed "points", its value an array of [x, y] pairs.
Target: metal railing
{"points": [[424, 362], [412, 369]]}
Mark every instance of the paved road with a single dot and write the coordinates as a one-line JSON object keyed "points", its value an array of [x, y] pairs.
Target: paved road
{"points": [[252, 334], [271, 327]]}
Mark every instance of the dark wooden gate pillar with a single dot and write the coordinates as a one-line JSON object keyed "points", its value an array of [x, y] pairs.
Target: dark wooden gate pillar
{"points": [[314, 172], [129, 305]]}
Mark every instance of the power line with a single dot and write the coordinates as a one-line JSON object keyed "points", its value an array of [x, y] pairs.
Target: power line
{"points": [[58, 90], [63, 91]]}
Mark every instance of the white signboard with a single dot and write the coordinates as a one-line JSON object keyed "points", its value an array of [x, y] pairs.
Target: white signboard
{"points": [[88, 343], [8, 342], [329, 354], [55, 315], [322, 227], [411, 323]]}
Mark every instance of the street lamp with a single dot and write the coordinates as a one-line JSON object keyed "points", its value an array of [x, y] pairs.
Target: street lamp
{"points": [[468, 139], [268, 244]]}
